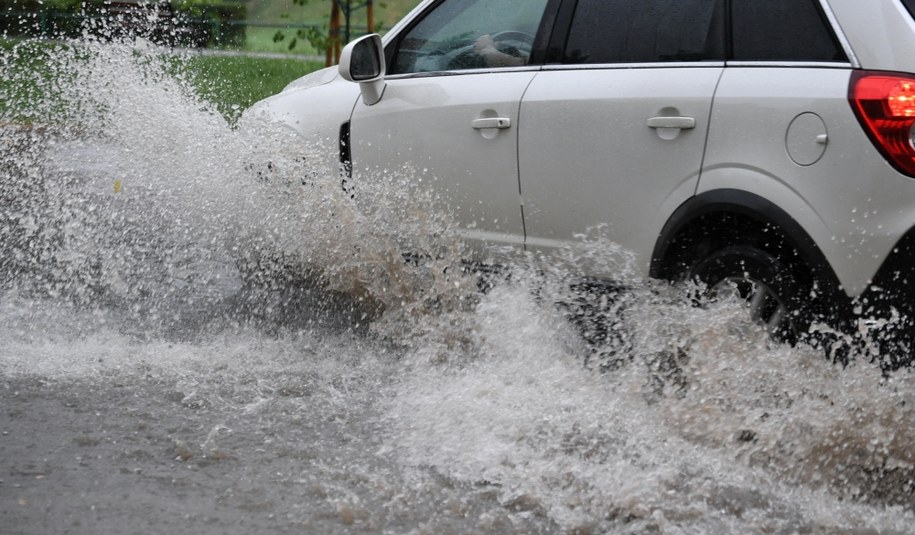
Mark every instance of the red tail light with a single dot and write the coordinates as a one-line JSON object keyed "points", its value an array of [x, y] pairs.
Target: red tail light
{"points": [[885, 105]]}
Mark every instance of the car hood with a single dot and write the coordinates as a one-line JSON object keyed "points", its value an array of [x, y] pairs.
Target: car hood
{"points": [[314, 79]]}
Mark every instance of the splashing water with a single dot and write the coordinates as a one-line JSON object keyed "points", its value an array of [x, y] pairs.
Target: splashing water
{"points": [[261, 350]]}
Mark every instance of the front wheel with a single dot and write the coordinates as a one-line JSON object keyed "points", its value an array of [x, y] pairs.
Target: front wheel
{"points": [[777, 294]]}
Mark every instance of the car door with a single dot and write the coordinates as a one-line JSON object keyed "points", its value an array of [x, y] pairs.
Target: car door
{"points": [[449, 111], [787, 61], [613, 132]]}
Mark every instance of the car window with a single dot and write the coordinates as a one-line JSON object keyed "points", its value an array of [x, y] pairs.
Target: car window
{"points": [[909, 5], [646, 31], [782, 30], [470, 34]]}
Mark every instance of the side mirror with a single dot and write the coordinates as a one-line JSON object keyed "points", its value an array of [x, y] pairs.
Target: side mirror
{"points": [[362, 61]]}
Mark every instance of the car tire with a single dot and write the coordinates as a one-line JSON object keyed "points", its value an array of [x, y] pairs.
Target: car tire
{"points": [[777, 292]]}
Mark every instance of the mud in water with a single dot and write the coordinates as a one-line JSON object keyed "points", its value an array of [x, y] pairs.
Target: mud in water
{"points": [[201, 330]]}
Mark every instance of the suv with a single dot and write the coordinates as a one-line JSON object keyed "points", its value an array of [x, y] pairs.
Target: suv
{"points": [[767, 146]]}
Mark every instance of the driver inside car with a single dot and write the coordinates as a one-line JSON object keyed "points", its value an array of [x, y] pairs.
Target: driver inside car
{"points": [[485, 46]]}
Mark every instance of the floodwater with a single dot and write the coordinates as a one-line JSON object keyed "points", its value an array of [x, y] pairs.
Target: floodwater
{"points": [[201, 331]]}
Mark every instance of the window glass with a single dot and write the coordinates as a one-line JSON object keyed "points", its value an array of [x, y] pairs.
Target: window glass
{"points": [[782, 30], [910, 5], [470, 34], [645, 31]]}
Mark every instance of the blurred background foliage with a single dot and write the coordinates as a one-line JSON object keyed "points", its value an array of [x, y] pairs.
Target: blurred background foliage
{"points": [[248, 50], [287, 26]]}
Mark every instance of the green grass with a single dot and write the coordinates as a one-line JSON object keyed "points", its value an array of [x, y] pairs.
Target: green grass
{"points": [[387, 13], [24, 78], [234, 83], [263, 40], [230, 83]]}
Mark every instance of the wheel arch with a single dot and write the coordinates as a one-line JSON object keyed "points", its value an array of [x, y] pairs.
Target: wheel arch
{"points": [[725, 215]]}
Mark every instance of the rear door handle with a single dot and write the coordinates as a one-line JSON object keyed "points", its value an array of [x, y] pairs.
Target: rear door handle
{"points": [[683, 123], [491, 122]]}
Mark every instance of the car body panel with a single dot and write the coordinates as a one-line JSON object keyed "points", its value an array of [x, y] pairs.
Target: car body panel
{"points": [[589, 157], [314, 112], [427, 123], [844, 200], [881, 33], [317, 78]]}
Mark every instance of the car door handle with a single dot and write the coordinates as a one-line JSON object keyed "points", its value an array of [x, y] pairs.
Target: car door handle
{"points": [[683, 123], [491, 122]]}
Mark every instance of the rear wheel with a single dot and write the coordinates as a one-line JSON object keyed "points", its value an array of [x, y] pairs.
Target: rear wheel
{"points": [[776, 292]]}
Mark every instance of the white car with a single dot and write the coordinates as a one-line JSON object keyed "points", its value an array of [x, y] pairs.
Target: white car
{"points": [[764, 144]]}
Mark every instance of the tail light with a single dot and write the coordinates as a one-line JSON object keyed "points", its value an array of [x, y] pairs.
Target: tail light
{"points": [[885, 105]]}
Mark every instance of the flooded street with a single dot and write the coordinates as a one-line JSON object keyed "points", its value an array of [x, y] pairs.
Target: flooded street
{"points": [[251, 441], [201, 331]]}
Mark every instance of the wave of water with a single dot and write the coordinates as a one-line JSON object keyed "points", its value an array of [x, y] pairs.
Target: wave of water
{"points": [[146, 241]]}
